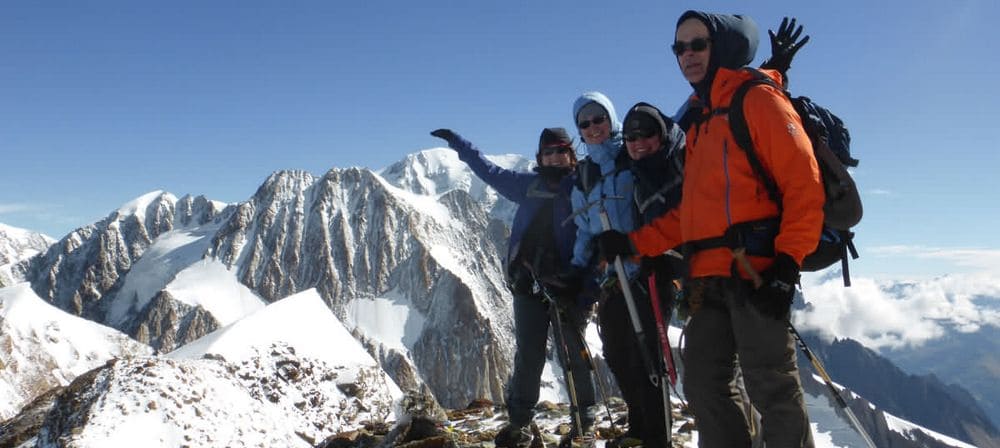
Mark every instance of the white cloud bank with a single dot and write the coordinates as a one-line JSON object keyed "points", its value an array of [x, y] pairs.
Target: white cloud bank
{"points": [[888, 314]]}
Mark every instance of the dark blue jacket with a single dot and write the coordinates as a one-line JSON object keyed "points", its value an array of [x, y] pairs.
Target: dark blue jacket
{"points": [[529, 191]]}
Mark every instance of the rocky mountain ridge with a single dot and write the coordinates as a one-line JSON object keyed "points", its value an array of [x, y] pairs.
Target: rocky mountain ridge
{"points": [[421, 234], [350, 234]]}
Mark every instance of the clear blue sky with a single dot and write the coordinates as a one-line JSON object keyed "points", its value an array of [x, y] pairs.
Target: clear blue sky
{"points": [[101, 102]]}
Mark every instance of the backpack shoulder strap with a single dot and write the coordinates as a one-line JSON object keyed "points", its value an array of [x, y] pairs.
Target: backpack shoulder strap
{"points": [[741, 131], [588, 174]]}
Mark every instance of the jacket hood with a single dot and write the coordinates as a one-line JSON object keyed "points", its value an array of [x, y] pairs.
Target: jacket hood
{"points": [[604, 153], [734, 41], [605, 102], [673, 136]]}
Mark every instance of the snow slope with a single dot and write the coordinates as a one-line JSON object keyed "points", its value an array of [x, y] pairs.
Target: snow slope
{"points": [[175, 262], [301, 321], [42, 347]]}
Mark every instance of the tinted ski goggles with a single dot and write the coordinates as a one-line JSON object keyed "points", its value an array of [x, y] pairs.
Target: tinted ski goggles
{"points": [[696, 45], [593, 120]]}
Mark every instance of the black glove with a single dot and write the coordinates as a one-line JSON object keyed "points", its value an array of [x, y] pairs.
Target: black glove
{"points": [[565, 286], [664, 269], [661, 266], [612, 243], [784, 46], [774, 297], [447, 134]]}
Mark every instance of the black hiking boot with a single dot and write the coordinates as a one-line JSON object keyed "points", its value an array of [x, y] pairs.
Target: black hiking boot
{"points": [[513, 436]]}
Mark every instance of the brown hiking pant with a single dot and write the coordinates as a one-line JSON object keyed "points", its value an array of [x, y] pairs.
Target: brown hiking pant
{"points": [[723, 327]]}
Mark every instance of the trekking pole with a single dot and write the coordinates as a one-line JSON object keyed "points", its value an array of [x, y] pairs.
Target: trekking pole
{"points": [[585, 354], [563, 352], [829, 384], [558, 333], [658, 379], [589, 357], [740, 255]]}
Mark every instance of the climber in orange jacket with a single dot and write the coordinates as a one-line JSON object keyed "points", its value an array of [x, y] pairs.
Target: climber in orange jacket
{"points": [[725, 210], [720, 188]]}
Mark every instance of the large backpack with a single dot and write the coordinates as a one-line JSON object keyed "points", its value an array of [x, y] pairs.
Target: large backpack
{"points": [[831, 146]]}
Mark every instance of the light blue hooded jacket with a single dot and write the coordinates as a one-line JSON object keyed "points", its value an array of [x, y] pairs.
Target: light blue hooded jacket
{"points": [[614, 187]]}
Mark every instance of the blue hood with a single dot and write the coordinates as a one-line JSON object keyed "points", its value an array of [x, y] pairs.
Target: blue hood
{"points": [[604, 153]]}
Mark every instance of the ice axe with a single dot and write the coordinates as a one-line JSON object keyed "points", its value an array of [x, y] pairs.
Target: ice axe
{"points": [[657, 376], [661, 329]]}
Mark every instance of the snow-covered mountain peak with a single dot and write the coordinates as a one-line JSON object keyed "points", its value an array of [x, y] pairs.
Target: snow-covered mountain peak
{"points": [[438, 170], [78, 271], [141, 204], [435, 172], [284, 184], [429, 172], [18, 245]]}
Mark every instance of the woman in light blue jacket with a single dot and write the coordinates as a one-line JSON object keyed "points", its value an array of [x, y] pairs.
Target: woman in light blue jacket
{"points": [[606, 184], [607, 180]]}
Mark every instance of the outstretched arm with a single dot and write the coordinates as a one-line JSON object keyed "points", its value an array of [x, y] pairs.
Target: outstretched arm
{"points": [[511, 184]]}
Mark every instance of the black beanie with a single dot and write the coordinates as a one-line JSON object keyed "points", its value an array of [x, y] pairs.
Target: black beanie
{"points": [[644, 117], [554, 137]]}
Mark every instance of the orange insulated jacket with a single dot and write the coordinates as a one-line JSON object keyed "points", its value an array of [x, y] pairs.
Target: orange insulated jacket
{"points": [[720, 188]]}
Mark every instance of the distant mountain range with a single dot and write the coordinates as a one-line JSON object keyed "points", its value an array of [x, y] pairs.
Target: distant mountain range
{"points": [[970, 360], [408, 258]]}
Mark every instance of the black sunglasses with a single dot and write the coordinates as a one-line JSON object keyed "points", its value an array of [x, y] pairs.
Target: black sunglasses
{"points": [[595, 120], [640, 134], [550, 150], [696, 45]]}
